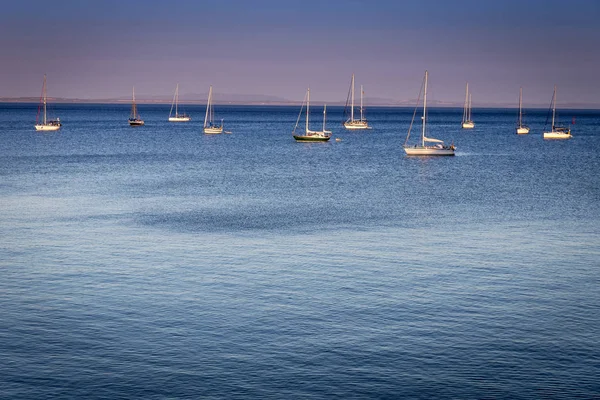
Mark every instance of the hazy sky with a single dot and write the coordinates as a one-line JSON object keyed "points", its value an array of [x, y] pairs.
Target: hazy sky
{"points": [[101, 49]]}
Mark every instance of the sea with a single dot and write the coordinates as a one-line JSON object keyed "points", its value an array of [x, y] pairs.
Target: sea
{"points": [[158, 262]]}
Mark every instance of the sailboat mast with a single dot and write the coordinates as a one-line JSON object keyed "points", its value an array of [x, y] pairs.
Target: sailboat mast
{"points": [[307, 107], [176, 99], [207, 105], [520, 106], [44, 99], [133, 106], [324, 116], [212, 109], [424, 110], [352, 104], [553, 106], [465, 115], [361, 102], [469, 106]]}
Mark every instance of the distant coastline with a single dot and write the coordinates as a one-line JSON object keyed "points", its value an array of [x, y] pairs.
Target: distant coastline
{"points": [[249, 100]]}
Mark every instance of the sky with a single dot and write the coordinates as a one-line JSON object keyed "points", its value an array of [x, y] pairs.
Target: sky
{"points": [[100, 49]]}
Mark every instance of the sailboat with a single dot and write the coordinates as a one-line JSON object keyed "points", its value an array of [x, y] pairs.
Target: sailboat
{"points": [[439, 149], [467, 123], [557, 132], [46, 125], [209, 126], [311, 136], [521, 129], [352, 123], [177, 117], [134, 118]]}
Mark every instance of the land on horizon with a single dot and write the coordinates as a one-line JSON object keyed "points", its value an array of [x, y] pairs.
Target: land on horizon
{"points": [[244, 99]]}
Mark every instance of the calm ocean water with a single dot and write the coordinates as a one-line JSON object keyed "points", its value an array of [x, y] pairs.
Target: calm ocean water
{"points": [[158, 262]]}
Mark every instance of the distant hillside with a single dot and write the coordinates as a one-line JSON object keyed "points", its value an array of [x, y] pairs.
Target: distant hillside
{"points": [[260, 99], [200, 98]]}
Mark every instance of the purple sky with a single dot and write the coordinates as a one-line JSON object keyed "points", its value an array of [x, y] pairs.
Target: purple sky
{"points": [[101, 49]]}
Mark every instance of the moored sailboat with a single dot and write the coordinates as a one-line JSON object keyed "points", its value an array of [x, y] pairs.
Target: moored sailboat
{"points": [[134, 118], [467, 122], [311, 136], [177, 117], [46, 124], [439, 149], [209, 126], [352, 123], [557, 132], [521, 129]]}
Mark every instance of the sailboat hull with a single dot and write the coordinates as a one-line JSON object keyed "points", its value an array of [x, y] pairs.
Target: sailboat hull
{"points": [[557, 135], [213, 130], [522, 130], [136, 122], [47, 127], [429, 151], [179, 119], [468, 125], [356, 124], [311, 138]]}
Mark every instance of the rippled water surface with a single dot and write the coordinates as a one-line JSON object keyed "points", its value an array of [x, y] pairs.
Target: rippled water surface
{"points": [[159, 262]]}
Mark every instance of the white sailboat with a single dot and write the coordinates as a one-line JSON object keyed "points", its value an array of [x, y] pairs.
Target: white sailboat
{"points": [[557, 132], [45, 125], [521, 129], [177, 117], [467, 122], [209, 126], [352, 123], [311, 136], [134, 118], [439, 149]]}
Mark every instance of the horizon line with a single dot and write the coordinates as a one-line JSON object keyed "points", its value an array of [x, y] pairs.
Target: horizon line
{"points": [[398, 104]]}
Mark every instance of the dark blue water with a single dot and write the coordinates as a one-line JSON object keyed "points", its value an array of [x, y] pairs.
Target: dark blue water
{"points": [[158, 262]]}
